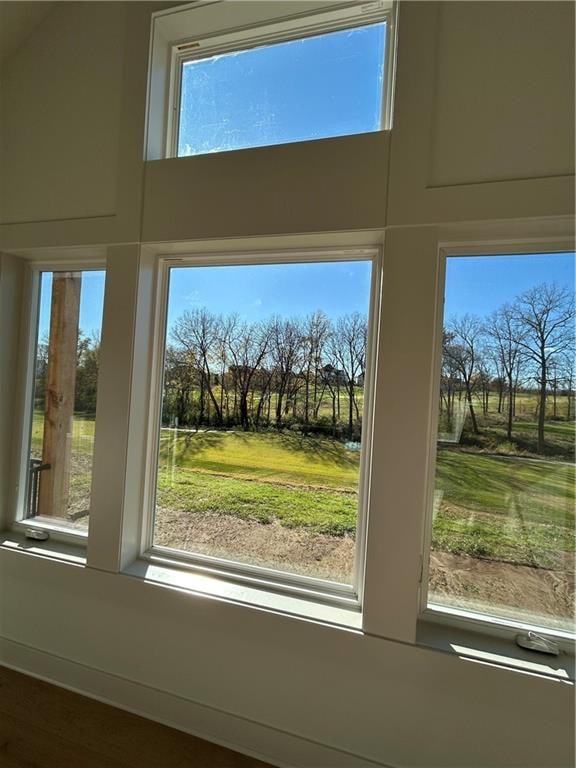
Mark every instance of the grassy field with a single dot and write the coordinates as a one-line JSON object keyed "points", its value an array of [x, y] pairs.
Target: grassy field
{"points": [[501, 507], [299, 481], [496, 507], [504, 508], [559, 434], [287, 458], [82, 434]]}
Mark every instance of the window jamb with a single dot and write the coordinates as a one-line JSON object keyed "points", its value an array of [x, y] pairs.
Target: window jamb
{"points": [[267, 578], [23, 431]]}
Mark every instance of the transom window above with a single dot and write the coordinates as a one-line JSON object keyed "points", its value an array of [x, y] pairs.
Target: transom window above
{"points": [[323, 75]]}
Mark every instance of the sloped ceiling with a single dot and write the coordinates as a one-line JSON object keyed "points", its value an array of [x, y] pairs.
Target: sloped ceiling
{"points": [[18, 20]]}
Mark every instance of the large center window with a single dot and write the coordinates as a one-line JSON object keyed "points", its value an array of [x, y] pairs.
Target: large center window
{"points": [[265, 388]]}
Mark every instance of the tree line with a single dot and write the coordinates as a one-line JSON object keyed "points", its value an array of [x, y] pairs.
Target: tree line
{"points": [[526, 344], [308, 372]]}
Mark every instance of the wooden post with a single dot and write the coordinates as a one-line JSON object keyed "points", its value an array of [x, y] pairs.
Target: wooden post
{"points": [[60, 386]]}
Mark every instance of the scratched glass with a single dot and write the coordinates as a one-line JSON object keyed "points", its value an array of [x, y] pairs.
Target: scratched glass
{"points": [[312, 88]]}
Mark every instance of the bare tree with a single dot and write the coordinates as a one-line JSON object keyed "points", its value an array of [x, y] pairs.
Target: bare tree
{"points": [[449, 383], [316, 331], [462, 344], [286, 351], [505, 336], [247, 345], [546, 315], [180, 378], [348, 349], [567, 365], [198, 332]]}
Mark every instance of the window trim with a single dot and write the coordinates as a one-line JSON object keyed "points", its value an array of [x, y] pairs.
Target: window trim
{"points": [[390, 606], [451, 616], [270, 30], [58, 531], [270, 579]]}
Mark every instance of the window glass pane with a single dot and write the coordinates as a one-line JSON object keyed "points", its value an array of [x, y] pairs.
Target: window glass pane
{"points": [[503, 530], [312, 88], [261, 433], [64, 402]]}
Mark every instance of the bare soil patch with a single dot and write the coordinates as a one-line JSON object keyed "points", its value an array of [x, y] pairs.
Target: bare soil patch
{"points": [[518, 589], [454, 578], [274, 545]]}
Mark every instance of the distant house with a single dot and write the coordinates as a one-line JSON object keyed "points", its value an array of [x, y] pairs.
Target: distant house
{"points": [[331, 375]]}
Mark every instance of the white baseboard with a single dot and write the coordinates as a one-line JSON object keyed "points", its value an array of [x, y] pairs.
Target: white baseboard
{"points": [[282, 749]]}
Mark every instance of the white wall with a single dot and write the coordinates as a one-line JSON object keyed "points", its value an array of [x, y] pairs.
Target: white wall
{"points": [[73, 175], [484, 119], [72, 128]]}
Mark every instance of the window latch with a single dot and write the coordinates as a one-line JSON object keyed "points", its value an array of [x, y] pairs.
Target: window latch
{"points": [[535, 642]]}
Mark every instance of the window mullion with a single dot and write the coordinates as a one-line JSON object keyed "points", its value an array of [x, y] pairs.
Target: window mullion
{"points": [[118, 465], [398, 489]]}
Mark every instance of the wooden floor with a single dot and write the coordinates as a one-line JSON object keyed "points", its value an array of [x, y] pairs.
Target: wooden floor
{"points": [[43, 726]]}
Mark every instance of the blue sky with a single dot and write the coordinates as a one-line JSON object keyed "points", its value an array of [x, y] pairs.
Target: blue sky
{"points": [[480, 284], [327, 85], [91, 303], [474, 284], [257, 292]]}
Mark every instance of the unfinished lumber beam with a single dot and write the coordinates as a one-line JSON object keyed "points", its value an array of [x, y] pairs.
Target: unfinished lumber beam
{"points": [[59, 397]]}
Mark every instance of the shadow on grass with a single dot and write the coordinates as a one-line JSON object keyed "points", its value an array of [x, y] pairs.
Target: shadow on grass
{"points": [[184, 446], [544, 490], [558, 439]]}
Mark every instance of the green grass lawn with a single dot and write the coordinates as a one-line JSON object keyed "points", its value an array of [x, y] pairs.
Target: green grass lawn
{"points": [[505, 508], [317, 510], [300, 481], [288, 458], [82, 433], [559, 435], [497, 507]]}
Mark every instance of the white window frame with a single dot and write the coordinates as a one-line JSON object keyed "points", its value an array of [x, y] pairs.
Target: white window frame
{"points": [[390, 602], [431, 613], [58, 530], [203, 29], [320, 590]]}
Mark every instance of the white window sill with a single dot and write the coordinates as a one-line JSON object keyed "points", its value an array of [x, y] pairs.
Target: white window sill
{"points": [[496, 650], [55, 550], [266, 599]]}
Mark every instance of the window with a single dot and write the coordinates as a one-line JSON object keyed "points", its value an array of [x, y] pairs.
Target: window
{"points": [[502, 535], [63, 398], [320, 74], [265, 395]]}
